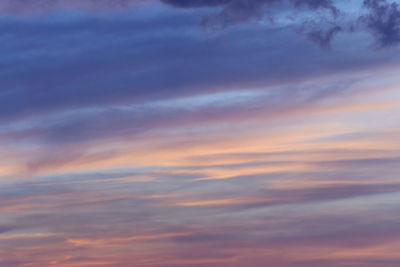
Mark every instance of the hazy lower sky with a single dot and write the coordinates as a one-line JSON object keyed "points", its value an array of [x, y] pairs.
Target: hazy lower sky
{"points": [[199, 133]]}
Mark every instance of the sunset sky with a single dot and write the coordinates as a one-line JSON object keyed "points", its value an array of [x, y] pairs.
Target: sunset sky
{"points": [[200, 133]]}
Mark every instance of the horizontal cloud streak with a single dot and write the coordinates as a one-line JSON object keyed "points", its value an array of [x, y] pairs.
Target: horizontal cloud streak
{"points": [[31, 7]]}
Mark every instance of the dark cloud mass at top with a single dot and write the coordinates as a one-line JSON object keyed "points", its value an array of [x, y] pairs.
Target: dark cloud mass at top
{"points": [[241, 10], [313, 4], [236, 11], [383, 21], [382, 17], [195, 3]]}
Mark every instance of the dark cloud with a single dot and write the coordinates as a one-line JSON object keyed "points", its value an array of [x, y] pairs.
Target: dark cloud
{"points": [[6, 228], [195, 3], [383, 21], [250, 5], [323, 37], [235, 11], [317, 4]]}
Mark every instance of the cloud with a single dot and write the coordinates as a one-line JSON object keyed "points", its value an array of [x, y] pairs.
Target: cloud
{"points": [[135, 120], [90, 62], [250, 6], [78, 214], [32, 7], [6, 228], [317, 4], [235, 11], [195, 3], [383, 21], [323, 37], [149, 143]]}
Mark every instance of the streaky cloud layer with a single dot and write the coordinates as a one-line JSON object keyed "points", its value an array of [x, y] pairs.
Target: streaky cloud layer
{"points": [[130, 135]]}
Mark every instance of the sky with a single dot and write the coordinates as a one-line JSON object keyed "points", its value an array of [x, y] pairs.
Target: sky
{"points": [[199, 133]]}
